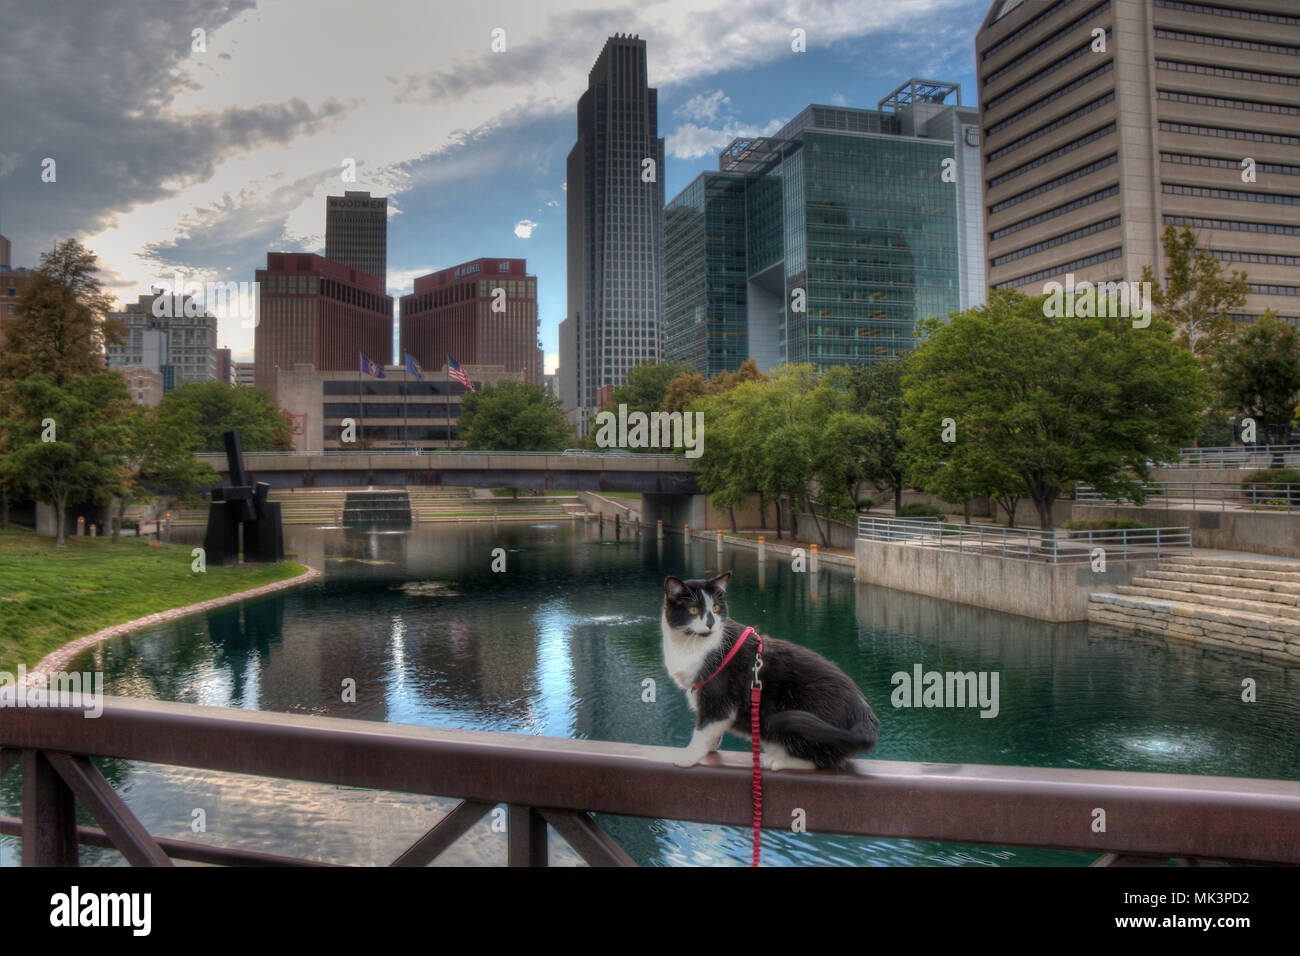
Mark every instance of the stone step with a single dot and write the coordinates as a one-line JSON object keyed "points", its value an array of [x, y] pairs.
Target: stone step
{"points": [[1284, 592], [1263, 623], [1207, 568], [1214, 561], [1252, 574], [1261, 608]]}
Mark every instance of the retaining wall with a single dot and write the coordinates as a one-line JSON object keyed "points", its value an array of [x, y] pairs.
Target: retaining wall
{"points": [[1037, 589], [1263, 532]]}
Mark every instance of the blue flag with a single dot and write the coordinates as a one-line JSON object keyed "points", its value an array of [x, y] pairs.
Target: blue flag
{"points": [[413, 367], [371, 368]]}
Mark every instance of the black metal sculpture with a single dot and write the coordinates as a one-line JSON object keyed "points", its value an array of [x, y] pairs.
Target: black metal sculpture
{"points": [[242, 504]]}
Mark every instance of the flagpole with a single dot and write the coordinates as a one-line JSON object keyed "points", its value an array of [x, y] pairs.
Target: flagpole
{"points": [[447, 407], [406, 398], [361, 409]]}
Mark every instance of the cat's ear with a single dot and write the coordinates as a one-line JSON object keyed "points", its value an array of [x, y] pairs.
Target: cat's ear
{"points": [[719, 583], [674, 589]]}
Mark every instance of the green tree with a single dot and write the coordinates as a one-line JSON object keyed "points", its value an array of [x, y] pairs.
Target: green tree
{"points": [[1052, 400], [1258, 373], [1196, 297], [513, 416], [61, 323], [67, 441], [730, 467], [159, 458], [645, 386], [877, 392], [214, 408]]}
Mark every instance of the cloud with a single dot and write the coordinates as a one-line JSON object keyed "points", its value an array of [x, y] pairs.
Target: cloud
{"points": [[168, 158], [704, 107], [690, 141], [839, 99], [524, 228], [551, 362]]}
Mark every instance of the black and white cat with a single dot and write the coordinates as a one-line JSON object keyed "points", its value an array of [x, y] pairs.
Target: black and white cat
{"points": [[811, 715]]}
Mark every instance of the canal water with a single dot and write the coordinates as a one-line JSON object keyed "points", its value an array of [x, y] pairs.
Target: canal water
{"points": [[560, 644]]}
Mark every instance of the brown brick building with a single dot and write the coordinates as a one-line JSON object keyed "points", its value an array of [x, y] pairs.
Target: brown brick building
{"points": [[482, 312], [315, 311]]}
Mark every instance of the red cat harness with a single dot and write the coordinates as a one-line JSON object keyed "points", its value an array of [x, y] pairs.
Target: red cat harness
{"points": [[755, 695]]}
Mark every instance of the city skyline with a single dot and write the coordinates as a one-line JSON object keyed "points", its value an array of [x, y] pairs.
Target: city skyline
{"points": [[242, 147]]}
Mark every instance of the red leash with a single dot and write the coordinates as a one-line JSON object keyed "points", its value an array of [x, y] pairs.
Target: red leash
{"points": [[755, 696]]}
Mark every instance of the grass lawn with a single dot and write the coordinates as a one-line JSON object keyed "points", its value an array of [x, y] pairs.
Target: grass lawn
{"points": [[49, 596]]}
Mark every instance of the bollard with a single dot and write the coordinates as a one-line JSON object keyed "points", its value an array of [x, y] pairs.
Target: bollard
{"points": [[659, 529], [81, 527], [812, 560], [94, 530], [719, 542], [762, 549]]}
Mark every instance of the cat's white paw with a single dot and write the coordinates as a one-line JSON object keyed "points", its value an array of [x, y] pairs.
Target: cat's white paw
{"points": [[790, 763], [686, 760], [765, 761]]}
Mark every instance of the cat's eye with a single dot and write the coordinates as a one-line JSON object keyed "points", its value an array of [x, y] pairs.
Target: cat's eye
{"points": [[695, 610], [715, 608]]}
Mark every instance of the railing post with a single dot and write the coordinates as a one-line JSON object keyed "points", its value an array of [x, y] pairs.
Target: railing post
{"points": [[526, 837], [49, 815]]}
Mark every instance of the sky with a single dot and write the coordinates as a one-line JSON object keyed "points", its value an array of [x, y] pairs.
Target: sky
{"points": [[199, 153]]}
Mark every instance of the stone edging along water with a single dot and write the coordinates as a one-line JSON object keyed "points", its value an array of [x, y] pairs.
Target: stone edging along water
{"points": [[58, 659]]}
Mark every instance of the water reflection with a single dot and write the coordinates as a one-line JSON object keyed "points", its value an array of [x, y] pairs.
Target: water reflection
{"points": [[562, 643]]}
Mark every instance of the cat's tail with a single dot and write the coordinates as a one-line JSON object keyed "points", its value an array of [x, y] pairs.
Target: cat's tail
{"points": [[809, 726]]}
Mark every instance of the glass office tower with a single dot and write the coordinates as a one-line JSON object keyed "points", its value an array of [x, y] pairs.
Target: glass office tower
{"points": [[857, 224], [615, 230]]}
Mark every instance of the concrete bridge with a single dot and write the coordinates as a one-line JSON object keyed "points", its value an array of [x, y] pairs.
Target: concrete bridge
{"points": [[670, 492]]}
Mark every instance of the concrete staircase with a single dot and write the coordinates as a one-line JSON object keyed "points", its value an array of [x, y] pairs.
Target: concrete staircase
{"points": [[1248, 605]]}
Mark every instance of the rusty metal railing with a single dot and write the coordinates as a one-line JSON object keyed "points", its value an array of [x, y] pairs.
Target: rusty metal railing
{"points": [[1149, 817]]}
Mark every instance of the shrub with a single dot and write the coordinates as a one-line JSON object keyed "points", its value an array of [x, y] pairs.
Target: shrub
{"points": [[1272, 476], [1079, 527], [919, 509]]}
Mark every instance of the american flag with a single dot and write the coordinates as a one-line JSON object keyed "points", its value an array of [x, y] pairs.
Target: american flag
{"points": [[458, 373]]}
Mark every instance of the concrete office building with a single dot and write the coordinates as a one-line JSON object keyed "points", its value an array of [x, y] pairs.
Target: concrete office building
{"points": [[319, 312], [615, 197], [828, 241], [482, 312], [172, 335], [144, 384], [1091, 149], [356, 233], [225, 367], [243, 374], [396, 411]]}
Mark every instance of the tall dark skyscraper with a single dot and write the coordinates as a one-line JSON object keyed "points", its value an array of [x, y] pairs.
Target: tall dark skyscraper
{"points": [[356, 233], [615, 230]]}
